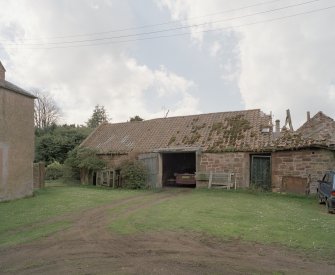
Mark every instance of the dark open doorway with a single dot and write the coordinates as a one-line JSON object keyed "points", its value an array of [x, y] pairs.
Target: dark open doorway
{"points": [[260, 171], [179, 169]]}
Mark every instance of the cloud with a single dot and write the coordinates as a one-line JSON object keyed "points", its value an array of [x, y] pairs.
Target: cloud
{"points": [[80, 78], [283, 64]]}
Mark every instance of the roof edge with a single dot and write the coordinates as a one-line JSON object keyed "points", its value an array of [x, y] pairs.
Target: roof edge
{"points": [[15, 89], [91, 134]]}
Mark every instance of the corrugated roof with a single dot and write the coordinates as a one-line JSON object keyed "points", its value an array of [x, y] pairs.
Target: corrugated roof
{"points": [[10, 86], [214, 132]]}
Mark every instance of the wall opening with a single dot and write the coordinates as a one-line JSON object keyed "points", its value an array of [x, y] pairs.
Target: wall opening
{"points": [[260, 171], [179, 169]]}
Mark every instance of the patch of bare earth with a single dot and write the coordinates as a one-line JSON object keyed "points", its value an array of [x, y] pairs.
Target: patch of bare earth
{"points": [[88, 247]]}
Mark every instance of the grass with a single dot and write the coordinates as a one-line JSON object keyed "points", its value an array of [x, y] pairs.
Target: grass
{"points": [[292, 221], [17, 218]]}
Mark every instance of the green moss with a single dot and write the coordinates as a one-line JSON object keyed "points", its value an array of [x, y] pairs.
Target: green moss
{"points": [[172, 140]]}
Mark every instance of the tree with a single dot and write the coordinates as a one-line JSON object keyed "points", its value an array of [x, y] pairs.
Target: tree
{"points": [[53, 143], [46, 111], [99, 116], [85, 160], [136, 118]]}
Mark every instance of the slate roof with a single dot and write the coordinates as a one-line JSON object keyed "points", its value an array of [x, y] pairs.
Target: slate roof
{"points": [[319, 131], [214, 132], [11, 87]]}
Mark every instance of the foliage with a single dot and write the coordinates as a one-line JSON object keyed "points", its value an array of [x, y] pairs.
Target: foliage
{"points": [[136, 118], [46, 110], [98, 117], [54, 171], [53, 143], [86, 158], [134, 175], [27, 219]]}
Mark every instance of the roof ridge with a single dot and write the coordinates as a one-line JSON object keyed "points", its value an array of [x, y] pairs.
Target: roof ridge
{"points": [[185, 116]]}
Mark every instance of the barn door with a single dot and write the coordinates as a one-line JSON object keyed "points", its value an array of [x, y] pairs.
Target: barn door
{"points": [[261, 171], [150, 160]]}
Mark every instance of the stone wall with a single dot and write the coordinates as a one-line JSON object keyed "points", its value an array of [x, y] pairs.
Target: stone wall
{"points": [[238, 163], [301, 164], [16, 145], [115, 161]]}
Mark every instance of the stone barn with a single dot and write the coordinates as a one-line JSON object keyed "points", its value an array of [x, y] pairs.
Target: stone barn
{"points": [[226, 142], [242, 143], [16, 140], [301, 157]]}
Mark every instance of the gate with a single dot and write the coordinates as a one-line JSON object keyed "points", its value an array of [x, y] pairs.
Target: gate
{"points": [[261, 172], [150, 161]]}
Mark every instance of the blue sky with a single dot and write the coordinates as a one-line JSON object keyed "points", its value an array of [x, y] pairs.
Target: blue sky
{"points": [[274, 65]]}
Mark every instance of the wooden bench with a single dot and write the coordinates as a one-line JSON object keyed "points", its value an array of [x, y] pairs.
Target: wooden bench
{"points": [[217, 179]]}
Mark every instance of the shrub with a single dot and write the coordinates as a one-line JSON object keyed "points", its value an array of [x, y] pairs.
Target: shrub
{"points": [[134, 175], [83, 161], [54, 171]]}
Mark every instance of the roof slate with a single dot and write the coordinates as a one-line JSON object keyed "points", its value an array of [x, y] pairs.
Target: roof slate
{"points": [[214, 132], [10, 86]]}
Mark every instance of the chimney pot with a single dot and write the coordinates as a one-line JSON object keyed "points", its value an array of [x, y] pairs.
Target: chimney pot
{"points": [[308, 115]]}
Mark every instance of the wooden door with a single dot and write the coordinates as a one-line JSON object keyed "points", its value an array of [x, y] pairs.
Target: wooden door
{"points": [[150, 161], [261, 172]]}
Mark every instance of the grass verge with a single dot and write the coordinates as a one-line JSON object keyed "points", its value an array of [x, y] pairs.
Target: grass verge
{"points": [[292, 221], [21, 215]]}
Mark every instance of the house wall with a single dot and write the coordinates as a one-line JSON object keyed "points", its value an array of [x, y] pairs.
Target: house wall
{"points": [[238, 163], [301, 164], [16, 145]]}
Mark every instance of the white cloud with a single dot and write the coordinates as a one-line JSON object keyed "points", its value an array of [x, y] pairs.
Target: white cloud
{"points": [[283, 64], [80, 78], [215, 49]]}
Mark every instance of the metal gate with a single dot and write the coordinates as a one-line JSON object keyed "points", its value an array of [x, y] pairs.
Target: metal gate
{"points": [[150, 160], [261, 172]]}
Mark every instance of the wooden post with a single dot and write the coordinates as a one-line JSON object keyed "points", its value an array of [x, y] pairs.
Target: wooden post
{"points": [[114, 178], [210, 179]]}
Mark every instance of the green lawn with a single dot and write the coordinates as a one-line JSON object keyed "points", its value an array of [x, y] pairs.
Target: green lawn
{"points": [[18, 218], [293, 221]]}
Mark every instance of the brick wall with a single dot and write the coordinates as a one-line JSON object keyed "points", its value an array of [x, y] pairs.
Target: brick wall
{"points": [[301, 164], [16, 145], [238, 163]]}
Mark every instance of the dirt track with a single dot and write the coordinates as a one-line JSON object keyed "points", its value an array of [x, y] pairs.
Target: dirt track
{"points": [[89, 248]]}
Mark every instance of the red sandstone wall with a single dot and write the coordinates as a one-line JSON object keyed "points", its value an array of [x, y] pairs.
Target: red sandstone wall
{"points": [[238, 163], [301, 164]]}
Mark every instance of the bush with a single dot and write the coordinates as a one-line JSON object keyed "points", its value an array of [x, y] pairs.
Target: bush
{"points": [[134, 175], [54, 171]]}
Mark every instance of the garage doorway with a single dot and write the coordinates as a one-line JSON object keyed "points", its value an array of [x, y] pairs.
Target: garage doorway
{"points": [[179, 169]]}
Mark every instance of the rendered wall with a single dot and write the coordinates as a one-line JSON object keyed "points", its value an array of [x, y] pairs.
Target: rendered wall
{"points": [[16, 145]]}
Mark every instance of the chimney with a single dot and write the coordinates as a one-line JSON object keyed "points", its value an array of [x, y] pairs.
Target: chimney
{"points": [[2, 72], [308, 115], [277, 126]]}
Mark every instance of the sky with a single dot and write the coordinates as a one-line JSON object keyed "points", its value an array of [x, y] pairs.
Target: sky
{"points": [[154, 58]]}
